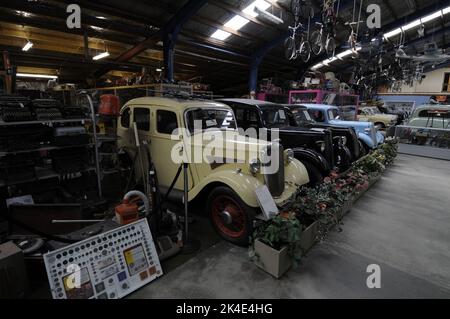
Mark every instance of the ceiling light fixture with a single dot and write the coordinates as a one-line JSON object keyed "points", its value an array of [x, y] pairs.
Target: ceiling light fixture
{"points": [[220, 35], [101, 56], [411, 25], [432, 16], [260, 4], [268, 16], [236, 23], [317, 66], [393, 33], [37, 76], [27, 46]]}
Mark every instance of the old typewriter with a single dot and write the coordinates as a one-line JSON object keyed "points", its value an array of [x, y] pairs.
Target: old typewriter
{"points": [[47, 109], [15, 108]]}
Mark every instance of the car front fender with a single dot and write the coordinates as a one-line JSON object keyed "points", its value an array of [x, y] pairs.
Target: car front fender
{"points": [[380, 138], [318, 160], [366, 140], [245, 185]]}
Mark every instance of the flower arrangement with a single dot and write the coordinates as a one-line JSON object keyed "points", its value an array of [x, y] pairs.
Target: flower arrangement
{"points": [[323, 204], [282, 231]]}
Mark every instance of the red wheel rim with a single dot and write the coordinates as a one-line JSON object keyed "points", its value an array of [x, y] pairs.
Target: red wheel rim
{"points": [[228, 216]]}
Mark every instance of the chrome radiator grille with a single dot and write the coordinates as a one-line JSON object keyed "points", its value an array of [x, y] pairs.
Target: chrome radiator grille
{"points": [[275, 181]]}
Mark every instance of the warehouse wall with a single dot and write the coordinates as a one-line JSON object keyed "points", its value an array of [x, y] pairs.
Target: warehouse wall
{"points": [[431, 84]]}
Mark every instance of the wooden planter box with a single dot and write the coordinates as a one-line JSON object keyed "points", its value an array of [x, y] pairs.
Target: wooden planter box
{"points": [[309, 237], [274, 262]]}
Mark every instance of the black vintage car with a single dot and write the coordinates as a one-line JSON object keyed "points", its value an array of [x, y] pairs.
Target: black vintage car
{"points": [[347, 135], [314, 147]]}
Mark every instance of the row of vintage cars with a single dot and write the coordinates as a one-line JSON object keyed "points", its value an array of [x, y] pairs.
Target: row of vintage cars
{"points": [[313, 141]]}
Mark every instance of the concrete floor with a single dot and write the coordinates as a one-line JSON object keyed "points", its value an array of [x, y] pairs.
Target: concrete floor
{"points": [[402, 224]]}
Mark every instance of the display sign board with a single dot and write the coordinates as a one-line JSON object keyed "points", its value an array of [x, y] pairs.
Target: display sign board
{"points": [[107, 266]]}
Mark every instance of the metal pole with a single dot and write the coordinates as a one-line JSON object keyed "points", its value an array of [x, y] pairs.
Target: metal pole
{"points": [[97, 158], [185, 199]]}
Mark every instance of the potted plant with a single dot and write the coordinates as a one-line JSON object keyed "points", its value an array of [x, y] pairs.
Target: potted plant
{"points": [[276, 244]]}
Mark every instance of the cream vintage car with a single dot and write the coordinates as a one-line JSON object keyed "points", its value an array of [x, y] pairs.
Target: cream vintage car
{"points": [[373, 114], [227, 189]]}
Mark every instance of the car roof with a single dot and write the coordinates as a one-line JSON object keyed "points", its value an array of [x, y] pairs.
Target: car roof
{"points": [[322, 107], [299, 106], [249, 102], [176, 104], [432, 107]]}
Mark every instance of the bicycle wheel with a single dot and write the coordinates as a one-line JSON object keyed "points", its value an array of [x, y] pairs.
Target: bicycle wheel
{"points": [[316, 42], [305, 51], [289, 48], [330, 47]]}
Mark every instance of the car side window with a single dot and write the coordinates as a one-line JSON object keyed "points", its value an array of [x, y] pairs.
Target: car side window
{"points": [[252, 119], [166, 122], [317, 115], [142, 118], [125, 118], [240, 117]]}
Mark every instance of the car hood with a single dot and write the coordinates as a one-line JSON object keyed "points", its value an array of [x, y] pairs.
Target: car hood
{"points": [[224, 143], [302, 130], [356, 125]]}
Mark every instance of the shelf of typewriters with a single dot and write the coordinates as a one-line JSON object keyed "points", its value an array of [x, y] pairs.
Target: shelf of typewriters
{"points": [[47, 153]]}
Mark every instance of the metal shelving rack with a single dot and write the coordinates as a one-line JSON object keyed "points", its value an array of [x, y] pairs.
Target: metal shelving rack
{"points": [[47, 173]]}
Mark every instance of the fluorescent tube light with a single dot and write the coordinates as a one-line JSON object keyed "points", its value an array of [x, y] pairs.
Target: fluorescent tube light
{"points": [[269, 16], [29, 75], [236, 23], [27, 46], [432, 16], [393, 33], [344, 54], [101, 56], [220, 35], [317, 66], [411, 25], [446, 10], [159, 70], [260, 4]]}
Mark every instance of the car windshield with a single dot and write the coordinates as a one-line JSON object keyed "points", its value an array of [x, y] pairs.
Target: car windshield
{"points": [[372, 111], [334, 114], [302, 116], [204, 118], [276, 118]]}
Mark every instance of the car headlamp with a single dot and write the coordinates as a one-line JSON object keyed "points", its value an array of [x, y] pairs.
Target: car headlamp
{"points": [[289, 156], [321, 145], [255, 166]]}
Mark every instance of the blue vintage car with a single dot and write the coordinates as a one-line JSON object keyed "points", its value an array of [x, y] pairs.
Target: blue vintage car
{"points": [[368, 134]]}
